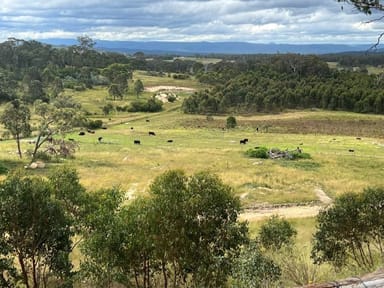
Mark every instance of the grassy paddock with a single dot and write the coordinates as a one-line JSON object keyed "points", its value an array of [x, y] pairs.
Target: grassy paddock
{"points": [[201, 144]]}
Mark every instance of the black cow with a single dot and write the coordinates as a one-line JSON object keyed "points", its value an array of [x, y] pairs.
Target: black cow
{"points": [[99, 139], [147, 120], [351, 150], [71, 139], [81, 133], [244, 141], [170, 141], [151, 133], [91, 131], [136, 142]]}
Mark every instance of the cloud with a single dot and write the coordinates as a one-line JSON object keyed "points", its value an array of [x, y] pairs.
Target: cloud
{"points": [[279, 21]]}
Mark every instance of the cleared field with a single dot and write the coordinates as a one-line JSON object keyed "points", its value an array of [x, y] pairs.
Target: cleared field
{"points": [[201, 143]]}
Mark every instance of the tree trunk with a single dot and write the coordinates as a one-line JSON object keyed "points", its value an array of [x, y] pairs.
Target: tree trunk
{"points": [[164, 270], [23, 271], [18, 146]]}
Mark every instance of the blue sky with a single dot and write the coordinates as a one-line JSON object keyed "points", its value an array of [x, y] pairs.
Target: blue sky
{"points": [[278, 21]]}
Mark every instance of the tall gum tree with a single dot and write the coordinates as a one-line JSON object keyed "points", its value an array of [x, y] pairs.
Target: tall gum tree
{"points": [[16, 118]]}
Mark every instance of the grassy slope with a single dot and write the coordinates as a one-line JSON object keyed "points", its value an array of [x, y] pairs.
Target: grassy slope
{"points": [[202, 144]]}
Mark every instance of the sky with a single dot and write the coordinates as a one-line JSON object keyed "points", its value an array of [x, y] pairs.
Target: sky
{"points": [[268, 21]]}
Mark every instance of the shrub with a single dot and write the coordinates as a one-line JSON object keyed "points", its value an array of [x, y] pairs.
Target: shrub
{"points": [[43, 156], [276, 233], [231, 122], [94, 124], [259, 152], [171, 98], [297, 155], [3, 169], [152, 105]]}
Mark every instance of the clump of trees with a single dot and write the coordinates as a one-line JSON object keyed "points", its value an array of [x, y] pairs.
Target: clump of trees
{"points": [[150, 105], [285, 82], [352, 229], [51, 120], [186, 233], [38, 218]]}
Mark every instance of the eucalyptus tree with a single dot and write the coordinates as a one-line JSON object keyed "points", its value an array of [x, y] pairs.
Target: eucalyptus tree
{"points": [[54, 120], [35, 230], [16, 119], [351, 229], [138, 86]]}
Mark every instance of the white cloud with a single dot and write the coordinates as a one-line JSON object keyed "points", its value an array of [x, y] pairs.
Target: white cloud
{"points": [[279, 21]]}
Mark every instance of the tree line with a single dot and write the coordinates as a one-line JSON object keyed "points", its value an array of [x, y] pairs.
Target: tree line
{"points": [[185, 233], [285, 82]]}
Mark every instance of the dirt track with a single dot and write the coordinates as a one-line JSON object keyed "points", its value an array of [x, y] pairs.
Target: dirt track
{"points": [[291, 211], [168, 88]]}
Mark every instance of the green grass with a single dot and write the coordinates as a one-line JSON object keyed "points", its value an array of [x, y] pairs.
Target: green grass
{"points": [[201, 143]]}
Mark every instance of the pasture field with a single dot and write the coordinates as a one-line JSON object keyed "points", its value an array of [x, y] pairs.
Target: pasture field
{"points": [[201, 143]]}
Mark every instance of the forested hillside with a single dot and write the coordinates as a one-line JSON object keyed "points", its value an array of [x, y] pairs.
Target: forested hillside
{"points": [[242, 84], [289, 81]]}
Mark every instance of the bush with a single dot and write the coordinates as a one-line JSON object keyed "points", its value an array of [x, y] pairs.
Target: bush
{"points": [[260, 152], [152, 105], [297, 155], [180, 76], [171, 98], [231, 122], [276, 233], [43, 156], [94, 124], [3, 169]]}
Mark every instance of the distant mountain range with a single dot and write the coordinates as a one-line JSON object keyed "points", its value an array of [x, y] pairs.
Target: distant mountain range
{"points": [[204, 48]]}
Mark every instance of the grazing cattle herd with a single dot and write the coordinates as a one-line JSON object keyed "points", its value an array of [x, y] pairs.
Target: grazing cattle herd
{"points": [[152, 133]]}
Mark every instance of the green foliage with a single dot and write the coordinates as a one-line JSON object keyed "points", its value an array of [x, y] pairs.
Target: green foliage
{"points": [[231, 122], [171, 98], [115, 92], [200, 214], [151, 105], [253, 269], [185, 234], [16, 119], [259, 152], [3, 169], [350, 229], [138, 86], [94, 124], [365, 6], [285, 82], [295, 155], [55, 119], [180, 76], [107, 109], [276, 233], [35, 229], [41, 155]]}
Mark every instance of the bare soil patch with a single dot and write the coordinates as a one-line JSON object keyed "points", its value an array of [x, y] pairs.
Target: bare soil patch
{"points": [[289, 210], [168, 88]]}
